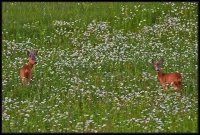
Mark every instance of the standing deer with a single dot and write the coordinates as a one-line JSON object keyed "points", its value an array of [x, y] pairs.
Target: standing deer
{"points": [[25, 70], [166, 79]]}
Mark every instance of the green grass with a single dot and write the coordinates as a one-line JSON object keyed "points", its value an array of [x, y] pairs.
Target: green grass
{"points": [[94, 71]]}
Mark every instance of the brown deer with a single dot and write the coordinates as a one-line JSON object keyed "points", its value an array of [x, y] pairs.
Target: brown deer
{"points": [[25, 70], [166, 79]]}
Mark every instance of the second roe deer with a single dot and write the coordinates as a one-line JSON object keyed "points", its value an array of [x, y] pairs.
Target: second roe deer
{"points": [[26, 70], [166, 79]]}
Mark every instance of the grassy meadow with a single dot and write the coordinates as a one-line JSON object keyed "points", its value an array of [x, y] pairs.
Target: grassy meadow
{"points": [[94, 70]]}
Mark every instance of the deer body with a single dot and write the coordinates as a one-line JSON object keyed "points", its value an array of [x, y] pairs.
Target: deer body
{"points": [[26, 70], [166, 79]]}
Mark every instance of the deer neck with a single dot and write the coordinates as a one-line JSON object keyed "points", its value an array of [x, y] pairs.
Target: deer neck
{"points": [[160, 74], [30, 65]]}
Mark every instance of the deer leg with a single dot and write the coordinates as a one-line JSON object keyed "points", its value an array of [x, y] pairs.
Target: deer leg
{"points": [[177, 86], [164, 87], [24, 81], [29, 79]]}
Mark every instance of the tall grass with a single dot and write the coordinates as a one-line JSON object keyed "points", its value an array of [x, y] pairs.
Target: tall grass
{"points": [[94, 71]]}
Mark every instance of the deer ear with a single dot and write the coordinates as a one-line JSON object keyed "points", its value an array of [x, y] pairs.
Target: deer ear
{"points": [[28, 52], [162, 60], [36, 51], [152, 61]]}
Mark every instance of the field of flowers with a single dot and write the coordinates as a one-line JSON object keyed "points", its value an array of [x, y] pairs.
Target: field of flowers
{"points": [[94, 70]]}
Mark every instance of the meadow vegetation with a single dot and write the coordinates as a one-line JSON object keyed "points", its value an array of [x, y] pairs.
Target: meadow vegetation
{"points": [[94, 70]]}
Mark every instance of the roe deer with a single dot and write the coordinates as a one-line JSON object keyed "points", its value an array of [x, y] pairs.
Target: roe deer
{"points": [[25, 70], [165, 79]]}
